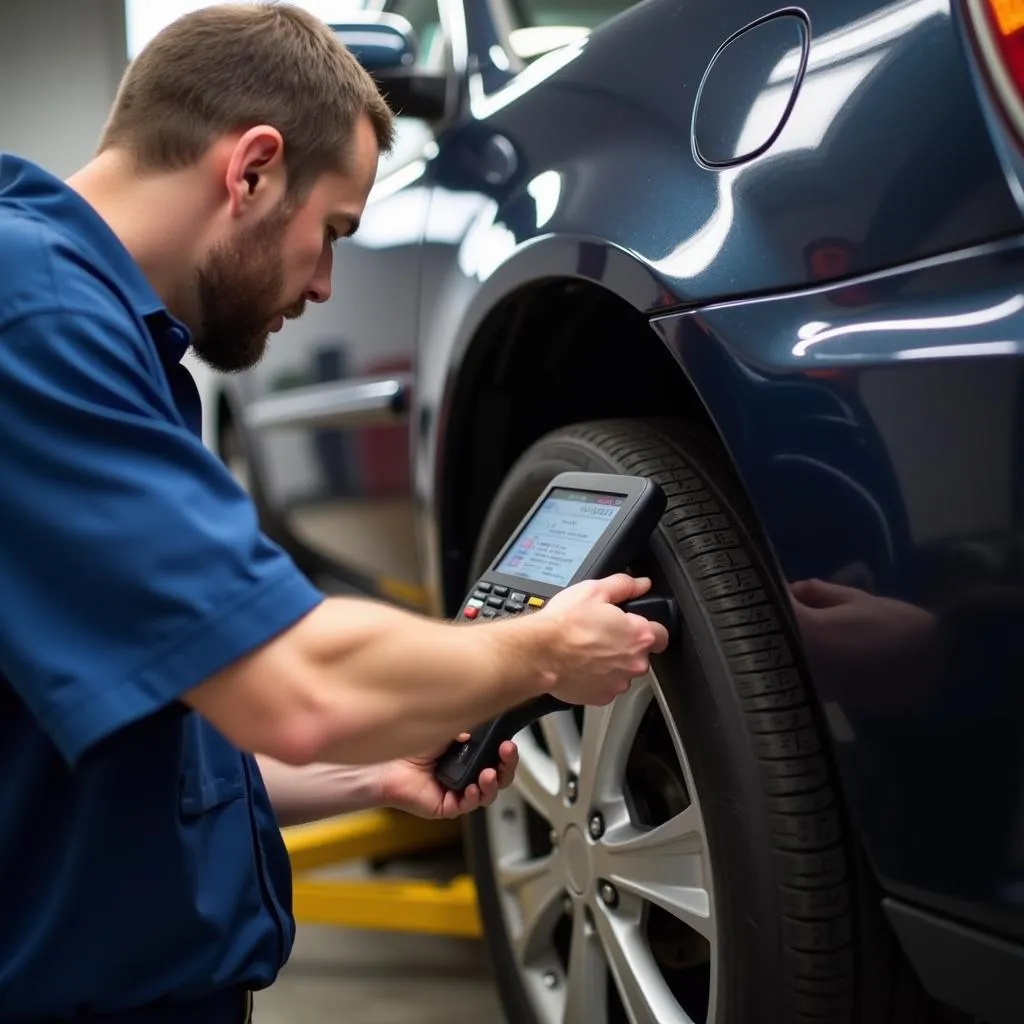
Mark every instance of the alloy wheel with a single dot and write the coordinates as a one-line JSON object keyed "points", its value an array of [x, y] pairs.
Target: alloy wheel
{"points": [[603, 869]]}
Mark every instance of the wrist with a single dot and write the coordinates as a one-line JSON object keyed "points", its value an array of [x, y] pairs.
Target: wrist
{"points": [[375, 786], [524, 654]]}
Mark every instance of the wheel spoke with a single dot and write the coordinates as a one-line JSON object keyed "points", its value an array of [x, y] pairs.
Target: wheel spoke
{"points": [[645, 996], [664, 865], [537, 890], [586, 999], [608, 734], [563, 740], [537, 779]]}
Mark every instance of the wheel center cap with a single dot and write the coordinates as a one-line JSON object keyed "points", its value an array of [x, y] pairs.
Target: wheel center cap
{"points": [[577, 859]]}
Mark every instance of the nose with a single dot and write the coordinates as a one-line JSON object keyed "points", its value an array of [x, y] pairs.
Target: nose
{"points": [[319, 287]]}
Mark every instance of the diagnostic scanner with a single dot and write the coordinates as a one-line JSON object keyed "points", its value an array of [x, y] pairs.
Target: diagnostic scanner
{"points": [[583, 526]]}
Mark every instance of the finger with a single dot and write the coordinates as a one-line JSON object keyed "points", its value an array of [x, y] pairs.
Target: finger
{"points": [[656, 638], [660, 637], [488, 786], [463, 737], [509, 764], [621, 587]]}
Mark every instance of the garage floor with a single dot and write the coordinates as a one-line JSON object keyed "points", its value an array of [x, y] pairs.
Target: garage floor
{"points": [[355, 977]]}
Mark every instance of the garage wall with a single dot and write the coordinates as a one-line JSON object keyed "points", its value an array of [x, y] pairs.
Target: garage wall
{"points": [[60, 62]]}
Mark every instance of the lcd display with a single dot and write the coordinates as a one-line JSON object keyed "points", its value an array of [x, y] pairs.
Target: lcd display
{"points": [[560, 535]]}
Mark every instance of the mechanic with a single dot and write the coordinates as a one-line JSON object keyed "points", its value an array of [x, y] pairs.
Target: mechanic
{"points": [[172, 688]]}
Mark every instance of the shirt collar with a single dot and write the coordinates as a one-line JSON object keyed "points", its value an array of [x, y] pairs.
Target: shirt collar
{"points": [[37, 191]]}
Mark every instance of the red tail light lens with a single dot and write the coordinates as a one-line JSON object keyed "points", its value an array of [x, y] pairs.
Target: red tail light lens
{"points": [[1007, 19], [999, 33]]}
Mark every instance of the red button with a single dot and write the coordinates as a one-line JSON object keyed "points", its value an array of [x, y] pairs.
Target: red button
{"points": [[471, 613]]}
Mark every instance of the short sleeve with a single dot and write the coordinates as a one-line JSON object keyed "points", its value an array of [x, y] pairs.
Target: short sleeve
{"points": [[132, 565]]}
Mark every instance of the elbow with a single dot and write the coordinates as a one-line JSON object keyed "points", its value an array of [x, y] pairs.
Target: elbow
{"points": [[297, 719], [294, 740], [287, 724], [309, 731]]}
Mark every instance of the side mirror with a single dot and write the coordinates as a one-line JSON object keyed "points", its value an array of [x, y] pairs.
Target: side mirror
{"points": [[386, 45]]}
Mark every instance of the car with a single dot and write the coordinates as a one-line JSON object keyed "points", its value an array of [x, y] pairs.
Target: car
{"points": [[771, 257]]}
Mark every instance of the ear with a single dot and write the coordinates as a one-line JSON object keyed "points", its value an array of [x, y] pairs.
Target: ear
{"points": [[255, 172]]}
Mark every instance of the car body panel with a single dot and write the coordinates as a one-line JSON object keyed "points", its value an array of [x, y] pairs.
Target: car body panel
{"points": [[885, 152], [882, 446]]}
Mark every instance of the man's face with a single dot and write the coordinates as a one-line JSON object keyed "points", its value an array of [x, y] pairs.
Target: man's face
{"points": [[251, 282]]}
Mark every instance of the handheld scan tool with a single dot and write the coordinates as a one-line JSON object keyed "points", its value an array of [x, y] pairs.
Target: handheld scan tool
{"points": [[583, 526]]}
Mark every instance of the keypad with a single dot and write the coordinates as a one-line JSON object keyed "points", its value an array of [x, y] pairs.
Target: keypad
{"points": [[498, 602]]}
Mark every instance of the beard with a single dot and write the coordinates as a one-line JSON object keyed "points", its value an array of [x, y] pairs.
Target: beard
{"points": [[238, 292]]}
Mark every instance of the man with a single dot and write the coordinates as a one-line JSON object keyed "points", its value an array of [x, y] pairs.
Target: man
{"points": [[171, 687]]}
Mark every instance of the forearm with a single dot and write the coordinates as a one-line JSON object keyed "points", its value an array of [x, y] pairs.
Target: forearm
{"points": [[397, 684], [359, 682], [304, 793]]}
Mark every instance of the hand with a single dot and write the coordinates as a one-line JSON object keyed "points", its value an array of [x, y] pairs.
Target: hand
{"points": [[599, 648], [408, 784]]}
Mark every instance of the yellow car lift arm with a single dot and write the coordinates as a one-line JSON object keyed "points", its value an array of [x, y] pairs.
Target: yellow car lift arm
{"points": [[402, 905]]}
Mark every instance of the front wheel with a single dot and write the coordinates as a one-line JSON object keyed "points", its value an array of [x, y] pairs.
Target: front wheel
{"points": [[677, 856]]}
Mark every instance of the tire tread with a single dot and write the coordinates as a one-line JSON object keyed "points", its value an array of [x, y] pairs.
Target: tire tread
{"points": [[814, 879]]}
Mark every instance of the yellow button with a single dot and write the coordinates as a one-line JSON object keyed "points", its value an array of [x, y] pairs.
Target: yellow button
{"points": [[536, 602]]}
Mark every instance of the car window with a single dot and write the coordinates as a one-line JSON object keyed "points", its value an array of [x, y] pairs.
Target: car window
{"points": [[538, 26], [425, 19], [432, 55]]}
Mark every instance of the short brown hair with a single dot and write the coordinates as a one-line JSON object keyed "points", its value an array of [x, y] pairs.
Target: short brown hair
{"points": [[230, 66]]}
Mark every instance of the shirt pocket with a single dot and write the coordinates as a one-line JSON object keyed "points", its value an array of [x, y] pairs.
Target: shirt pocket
{"points": [[212, 770]]}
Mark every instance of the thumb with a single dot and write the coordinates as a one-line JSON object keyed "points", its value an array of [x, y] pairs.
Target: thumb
{"points": [[622, 587]]}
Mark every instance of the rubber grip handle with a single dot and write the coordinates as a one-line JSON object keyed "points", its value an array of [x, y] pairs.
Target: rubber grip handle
{"points": [[656, 608]]}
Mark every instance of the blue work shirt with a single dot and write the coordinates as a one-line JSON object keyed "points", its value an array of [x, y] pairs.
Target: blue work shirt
{"points": [[140, 858]]}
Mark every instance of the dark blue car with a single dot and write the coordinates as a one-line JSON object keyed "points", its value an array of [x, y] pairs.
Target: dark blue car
{"points": [[773, 258]]}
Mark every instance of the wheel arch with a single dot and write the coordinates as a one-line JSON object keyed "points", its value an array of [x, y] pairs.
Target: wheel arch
{"points": [[568, 340]]}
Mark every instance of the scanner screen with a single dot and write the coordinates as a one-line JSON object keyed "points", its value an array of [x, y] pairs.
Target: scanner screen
{"points": [[559, 536]]}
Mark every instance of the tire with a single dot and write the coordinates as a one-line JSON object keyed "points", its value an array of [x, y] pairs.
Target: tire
{"points": [[725, 751]]}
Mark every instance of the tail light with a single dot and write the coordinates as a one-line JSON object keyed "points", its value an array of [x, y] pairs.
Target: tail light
{"points": [[998, 27]]}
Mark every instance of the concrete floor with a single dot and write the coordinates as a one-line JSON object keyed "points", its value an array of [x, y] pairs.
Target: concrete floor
{"points": [[356, 977]]}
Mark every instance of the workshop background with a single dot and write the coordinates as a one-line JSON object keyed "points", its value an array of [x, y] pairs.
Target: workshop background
{"points": [[776, 268], [60, 63]]}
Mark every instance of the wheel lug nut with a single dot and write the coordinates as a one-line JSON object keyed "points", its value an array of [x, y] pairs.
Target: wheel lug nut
{"points": [[572, 789], [596, 826], [609, 894]]}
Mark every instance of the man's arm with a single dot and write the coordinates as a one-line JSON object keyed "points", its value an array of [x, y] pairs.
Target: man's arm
{"points": [[357, 682], [360, 682], [312, 792]]}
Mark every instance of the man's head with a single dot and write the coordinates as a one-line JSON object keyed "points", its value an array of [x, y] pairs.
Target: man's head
{"points": [[285, 128]]}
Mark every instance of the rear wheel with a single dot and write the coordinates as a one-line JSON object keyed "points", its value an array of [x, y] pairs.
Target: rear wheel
{"points": [[677, 856]]}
